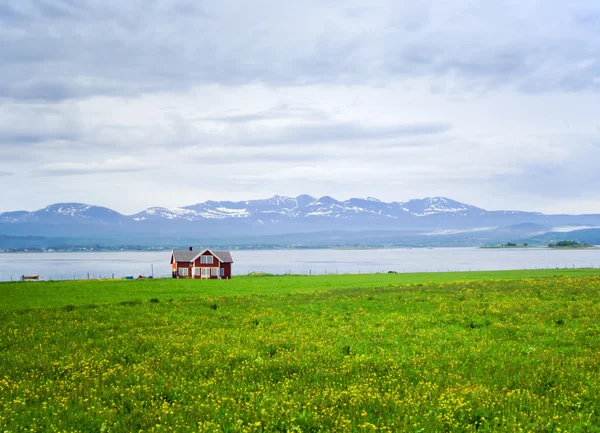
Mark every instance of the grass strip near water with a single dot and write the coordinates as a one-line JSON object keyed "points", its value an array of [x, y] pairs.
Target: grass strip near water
{"points": [[477, 356], [43, 294]]}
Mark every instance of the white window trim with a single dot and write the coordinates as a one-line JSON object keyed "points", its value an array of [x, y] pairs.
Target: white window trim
{"points": [[214, 272], [205, 272], [183, 272], [206, 260], [197, 272]]}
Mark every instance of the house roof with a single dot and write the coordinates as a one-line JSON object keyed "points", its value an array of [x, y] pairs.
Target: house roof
{"points": [[224, 256], [190, 256], [184, 255]]}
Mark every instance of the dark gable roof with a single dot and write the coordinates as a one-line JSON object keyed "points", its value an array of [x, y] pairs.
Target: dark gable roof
{"points": [[224, 256], [184, 255], [188, 256]]}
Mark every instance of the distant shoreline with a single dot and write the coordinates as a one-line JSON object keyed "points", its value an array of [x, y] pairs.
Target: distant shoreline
{"points": [[579, 247], [518, 247], [291, 248], [541, 247]]}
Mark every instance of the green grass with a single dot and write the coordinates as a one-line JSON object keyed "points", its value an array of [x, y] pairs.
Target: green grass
{"points": [[42, 294], [474, 352]]}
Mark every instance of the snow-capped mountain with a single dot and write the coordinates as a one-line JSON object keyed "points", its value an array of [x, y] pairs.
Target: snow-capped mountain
{"points": [[275, 215], [277, 208], [64, 213], [439, 205]]}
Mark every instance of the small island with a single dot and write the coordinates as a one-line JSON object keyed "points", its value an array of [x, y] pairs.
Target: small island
{"points": [[511, 245], [569, 245]]}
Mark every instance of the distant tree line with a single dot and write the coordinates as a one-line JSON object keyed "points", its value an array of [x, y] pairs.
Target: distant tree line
{"points": [[566, 244]]}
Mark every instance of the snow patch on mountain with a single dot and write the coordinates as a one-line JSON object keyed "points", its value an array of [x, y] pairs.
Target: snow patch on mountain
{"points": [[320, 212], [234, 213], [221, 213], [67, 209], [180, 213], [436, 205], [170, 213]]}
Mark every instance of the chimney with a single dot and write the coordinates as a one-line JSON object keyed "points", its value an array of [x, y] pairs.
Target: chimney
{"points": [[191, 249]]}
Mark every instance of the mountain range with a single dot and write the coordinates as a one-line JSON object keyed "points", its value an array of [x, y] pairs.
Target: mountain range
{"points": [[285, 221]]}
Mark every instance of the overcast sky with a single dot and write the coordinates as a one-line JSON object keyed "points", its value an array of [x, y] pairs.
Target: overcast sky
{"points": [[139, 103]]}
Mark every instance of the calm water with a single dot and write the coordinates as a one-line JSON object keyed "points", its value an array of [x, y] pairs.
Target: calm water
{"points": [[119, 264]]}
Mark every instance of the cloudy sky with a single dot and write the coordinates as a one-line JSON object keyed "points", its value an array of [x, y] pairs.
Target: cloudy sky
{"points": [[138, 103]]}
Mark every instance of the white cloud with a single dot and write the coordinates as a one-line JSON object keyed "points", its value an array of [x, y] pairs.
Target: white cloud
{"points": [[568, 229], [117, 165], [493, 104]]}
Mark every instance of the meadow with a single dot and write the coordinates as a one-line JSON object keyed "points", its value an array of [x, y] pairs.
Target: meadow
{"points": [[18, 295], [500, 351]]}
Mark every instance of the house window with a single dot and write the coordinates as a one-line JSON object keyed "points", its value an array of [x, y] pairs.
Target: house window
{"points": [[222, 272], [183, 272], [205, 272], [196, 272], [214, 272], [207, 260]]}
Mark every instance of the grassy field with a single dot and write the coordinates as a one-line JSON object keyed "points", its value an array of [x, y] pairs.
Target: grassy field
{"points": [[31, 294], [507, 351]]}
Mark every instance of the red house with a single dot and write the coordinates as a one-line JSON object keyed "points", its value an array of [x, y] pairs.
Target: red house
{"points": [[201, 264]]}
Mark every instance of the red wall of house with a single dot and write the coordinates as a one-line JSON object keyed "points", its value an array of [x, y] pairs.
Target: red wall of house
{"points": [[227, 267], [215, 264], [184, 265]]}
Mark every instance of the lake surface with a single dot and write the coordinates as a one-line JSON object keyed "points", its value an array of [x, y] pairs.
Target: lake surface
{"points": [[118, 264]]}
